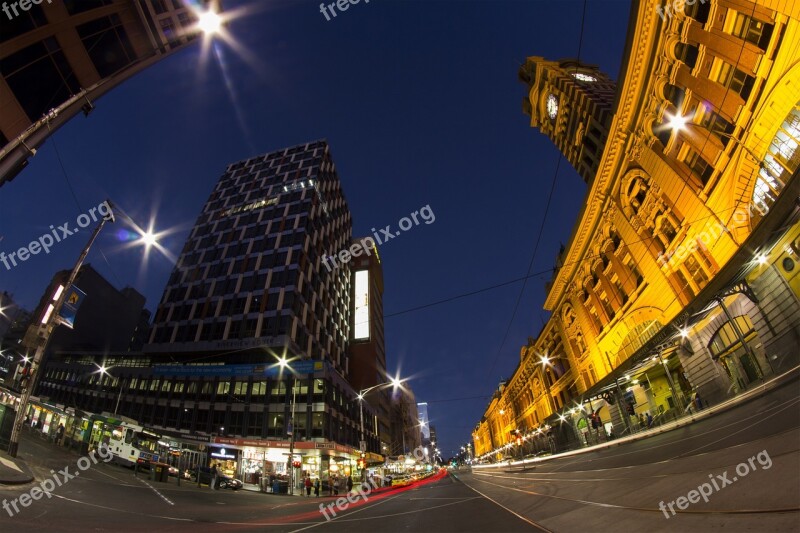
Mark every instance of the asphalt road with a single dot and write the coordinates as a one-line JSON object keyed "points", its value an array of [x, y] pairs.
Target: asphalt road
{"points": [[619, 489], [747, 461]]}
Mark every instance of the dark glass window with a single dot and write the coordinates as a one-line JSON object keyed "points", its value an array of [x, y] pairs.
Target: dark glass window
{"points": [[168, 29], [107, 44], [40, 65], [79, 6], [159, 6], [24, 22]]}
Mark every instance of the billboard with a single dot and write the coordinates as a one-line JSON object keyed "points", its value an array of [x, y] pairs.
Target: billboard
{"points": [[361, 303]]}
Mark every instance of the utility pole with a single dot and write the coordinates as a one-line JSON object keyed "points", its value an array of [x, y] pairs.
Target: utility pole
{"points": [[291, 437], [44, 337]]}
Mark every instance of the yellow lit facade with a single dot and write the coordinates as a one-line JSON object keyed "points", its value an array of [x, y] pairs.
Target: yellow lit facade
{"points": [[680, 280]]}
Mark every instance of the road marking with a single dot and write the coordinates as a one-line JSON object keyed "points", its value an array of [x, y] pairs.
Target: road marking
{"points": [[10, 464], [365, 507], [156, 491], [614, 506], [534, 524]]}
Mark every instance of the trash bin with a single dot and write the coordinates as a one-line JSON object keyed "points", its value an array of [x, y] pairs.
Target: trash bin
{"points": [[159, 472]]}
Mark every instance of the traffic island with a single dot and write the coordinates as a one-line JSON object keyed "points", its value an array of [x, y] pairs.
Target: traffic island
{"points": [[14, 471]]}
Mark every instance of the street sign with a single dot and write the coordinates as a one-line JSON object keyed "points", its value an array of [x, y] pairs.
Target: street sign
{"points": [[363, 445], [69, 309]]}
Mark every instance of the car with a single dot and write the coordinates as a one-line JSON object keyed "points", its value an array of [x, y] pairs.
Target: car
{"points": [[174, 473], [224, 482]]}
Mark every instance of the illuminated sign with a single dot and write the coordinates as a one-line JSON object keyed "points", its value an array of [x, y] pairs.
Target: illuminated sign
{"points": [[249, 207], [361, 301]]}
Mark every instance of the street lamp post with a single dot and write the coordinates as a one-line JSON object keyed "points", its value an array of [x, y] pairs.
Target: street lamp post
{"points": [[44, 336], [394, 382]]}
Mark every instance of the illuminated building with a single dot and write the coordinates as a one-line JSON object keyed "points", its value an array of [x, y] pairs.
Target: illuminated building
{"points": [[681, 276], [248, 348], [367, 348]]}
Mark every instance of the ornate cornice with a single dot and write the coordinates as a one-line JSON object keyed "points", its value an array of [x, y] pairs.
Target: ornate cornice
{"points": [[632, 97]]}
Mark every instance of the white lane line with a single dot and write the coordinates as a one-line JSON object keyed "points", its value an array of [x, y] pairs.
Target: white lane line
{"points": [[156, 491], [124, 511], [354, 512], [534, 524]]}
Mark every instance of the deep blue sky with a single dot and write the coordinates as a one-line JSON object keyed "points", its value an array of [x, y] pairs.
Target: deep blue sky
{"points": [[420, 103]]}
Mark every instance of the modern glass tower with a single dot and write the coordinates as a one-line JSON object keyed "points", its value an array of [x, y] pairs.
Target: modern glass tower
{"points": [[250, 273]]}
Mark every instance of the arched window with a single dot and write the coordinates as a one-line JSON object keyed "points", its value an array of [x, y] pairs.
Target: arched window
{"points": [[780, 163]]}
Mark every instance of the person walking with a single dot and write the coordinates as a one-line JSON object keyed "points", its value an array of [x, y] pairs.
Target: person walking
{"points": [[349, 484], [336, 486], [316, 487], [308, 485], [214, 477]]}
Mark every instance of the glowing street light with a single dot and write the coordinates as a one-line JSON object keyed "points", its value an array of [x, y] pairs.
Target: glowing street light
{"points": [[678, 122], [149, 239], [209, 22]]}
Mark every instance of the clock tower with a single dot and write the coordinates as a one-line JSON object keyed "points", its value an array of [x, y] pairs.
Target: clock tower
{"points": [[571, 103]]}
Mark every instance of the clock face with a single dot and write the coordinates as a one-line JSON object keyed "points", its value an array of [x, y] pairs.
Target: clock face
{"points": [[552, 106], [580, 76]]}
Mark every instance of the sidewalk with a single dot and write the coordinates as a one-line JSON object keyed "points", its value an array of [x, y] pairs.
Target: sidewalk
{"points": [[726, 405], [13, 471]]}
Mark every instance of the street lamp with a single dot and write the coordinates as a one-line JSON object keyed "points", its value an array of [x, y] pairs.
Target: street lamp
{"points": [[545, 361], [678, 123], [104, 371], [46, 329], [283, 363], [394, 382]]}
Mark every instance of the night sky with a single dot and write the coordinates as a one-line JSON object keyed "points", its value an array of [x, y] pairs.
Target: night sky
{"points": [[421, 105]]}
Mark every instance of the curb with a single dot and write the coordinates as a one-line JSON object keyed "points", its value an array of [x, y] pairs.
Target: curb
{"points": [[708, 412], [8, 476]]}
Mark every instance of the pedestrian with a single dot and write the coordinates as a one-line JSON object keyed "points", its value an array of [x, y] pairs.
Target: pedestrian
{"points": [[642, 422], [649, 419], [349, 484], [698, 401], [308, 485], [316, 487], [214, 477], [59, 433], [336, 486]]}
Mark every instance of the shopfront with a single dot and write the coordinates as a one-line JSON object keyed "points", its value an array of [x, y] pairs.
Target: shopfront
{"points": [[225, 459]]}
